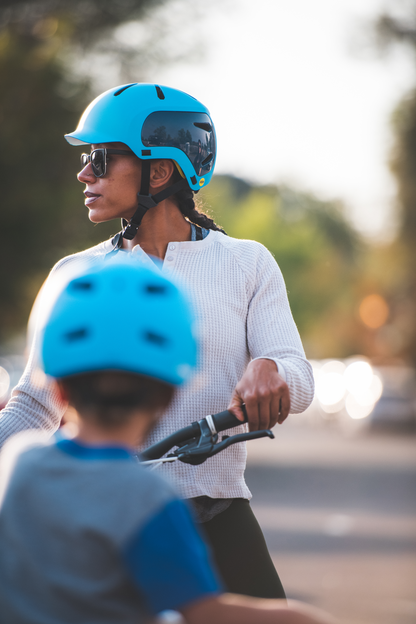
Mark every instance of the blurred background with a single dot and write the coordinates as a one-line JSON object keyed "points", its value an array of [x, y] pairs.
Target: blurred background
{"points": [[315, 109]]}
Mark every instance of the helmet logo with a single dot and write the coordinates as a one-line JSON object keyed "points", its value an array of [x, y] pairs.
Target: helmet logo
{"points": [[202, 182]]}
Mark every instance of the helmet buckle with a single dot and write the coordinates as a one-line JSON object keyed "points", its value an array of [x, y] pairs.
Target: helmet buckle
{"points": [[144, 204]]}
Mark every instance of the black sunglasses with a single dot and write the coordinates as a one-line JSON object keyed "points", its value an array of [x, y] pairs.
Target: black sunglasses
{"points": [[98, 159]]}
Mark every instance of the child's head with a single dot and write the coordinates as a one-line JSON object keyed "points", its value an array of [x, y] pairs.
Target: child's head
{"points": [[110, 399], [118, 338]]}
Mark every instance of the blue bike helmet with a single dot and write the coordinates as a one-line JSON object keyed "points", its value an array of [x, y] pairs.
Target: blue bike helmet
{"points": [[82, 330], [154, 122]]}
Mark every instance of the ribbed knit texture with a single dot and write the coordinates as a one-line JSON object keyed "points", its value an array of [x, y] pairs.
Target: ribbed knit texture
{"points": [[243, 312]]}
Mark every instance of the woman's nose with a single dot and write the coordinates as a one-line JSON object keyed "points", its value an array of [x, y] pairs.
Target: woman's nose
{"points": [[86, 175]]}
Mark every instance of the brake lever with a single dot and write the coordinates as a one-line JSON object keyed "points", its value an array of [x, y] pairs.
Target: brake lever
{"points": [[196, 455], [241, 437]]}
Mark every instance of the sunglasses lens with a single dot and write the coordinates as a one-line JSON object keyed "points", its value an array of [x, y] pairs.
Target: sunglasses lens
{"points": [[98, 162], [85, 158]]}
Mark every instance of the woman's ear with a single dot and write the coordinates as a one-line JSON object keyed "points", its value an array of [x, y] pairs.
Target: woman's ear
{"points": [[160, 173]]}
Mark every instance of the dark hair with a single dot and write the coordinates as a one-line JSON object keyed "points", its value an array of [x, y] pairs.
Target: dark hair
{"points": [[111, 397], [186, 204]]}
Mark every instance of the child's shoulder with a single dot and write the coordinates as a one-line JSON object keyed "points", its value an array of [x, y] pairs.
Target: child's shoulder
{"points": [[25, 444], [108, 484], [114, 467], [19, 454]]}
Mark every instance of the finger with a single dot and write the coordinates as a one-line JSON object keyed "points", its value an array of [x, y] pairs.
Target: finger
{"points": [[284, 405], [253, 416], [235, 406], [264, 413], [275, 410]]}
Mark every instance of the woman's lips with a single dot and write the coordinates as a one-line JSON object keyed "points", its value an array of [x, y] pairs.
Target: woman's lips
{"points": [[90, 198]]}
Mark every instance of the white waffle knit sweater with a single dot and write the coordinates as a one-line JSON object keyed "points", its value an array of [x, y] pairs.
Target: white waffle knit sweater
{"points": [[243, 313]]}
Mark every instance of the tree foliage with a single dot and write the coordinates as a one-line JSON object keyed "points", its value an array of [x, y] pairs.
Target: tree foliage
{"points": [[393, 30], [42, 216], [81, 22]]}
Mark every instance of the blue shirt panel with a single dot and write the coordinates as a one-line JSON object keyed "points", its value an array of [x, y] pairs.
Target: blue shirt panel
{"points": [[169, 561], [91, 453], [204, 232]]}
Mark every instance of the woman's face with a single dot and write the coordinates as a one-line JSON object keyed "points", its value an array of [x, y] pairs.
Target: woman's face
{"points": [[115, 194]]}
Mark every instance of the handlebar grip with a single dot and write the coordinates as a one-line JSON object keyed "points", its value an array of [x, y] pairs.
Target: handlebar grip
{"points": [[160, 448], [227, 420]]}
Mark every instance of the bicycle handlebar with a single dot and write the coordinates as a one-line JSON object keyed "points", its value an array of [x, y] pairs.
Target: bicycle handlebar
{"points": [[160, 448], [222, 421], [227, 420], [199, 440]]}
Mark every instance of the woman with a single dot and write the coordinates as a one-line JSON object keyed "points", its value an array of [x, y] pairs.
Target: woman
{"points": [[152, 149]]}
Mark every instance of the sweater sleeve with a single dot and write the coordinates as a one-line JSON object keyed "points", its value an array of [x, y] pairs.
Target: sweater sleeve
{"points": [[272, 332], [35, 402]]}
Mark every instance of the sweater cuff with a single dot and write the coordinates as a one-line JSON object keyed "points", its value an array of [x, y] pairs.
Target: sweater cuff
{"points": [[280, 367]]}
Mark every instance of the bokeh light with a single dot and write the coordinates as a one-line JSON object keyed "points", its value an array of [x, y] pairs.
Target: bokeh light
{"points": [[46, 28], [358, 376], [352, 387], [374, 311], [330, 389], [330, 385], [355, 410]]}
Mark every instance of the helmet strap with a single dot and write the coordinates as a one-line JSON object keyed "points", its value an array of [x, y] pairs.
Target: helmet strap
{"points": [[147, 201]]}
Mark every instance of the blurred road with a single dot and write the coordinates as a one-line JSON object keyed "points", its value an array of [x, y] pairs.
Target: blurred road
{"points": [[339, 516]]}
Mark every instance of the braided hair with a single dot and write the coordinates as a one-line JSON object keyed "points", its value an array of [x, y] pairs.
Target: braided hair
{"points": [[186, 204]]}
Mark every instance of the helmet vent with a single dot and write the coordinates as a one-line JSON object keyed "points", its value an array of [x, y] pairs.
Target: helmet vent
{"points": [[207, 160], [155, 289], [81, 285], [204, 126], [156, 339], [124, 88], [160, 93], [77, 334]]}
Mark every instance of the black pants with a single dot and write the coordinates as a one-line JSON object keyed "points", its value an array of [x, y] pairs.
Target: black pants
{"points": [[240, 552]]}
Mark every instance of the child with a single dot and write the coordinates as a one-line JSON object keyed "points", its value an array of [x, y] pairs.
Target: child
{"points": [[88, 535]]}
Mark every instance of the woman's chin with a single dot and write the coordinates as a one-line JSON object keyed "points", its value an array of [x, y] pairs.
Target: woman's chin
{"points": [[97, 216]]}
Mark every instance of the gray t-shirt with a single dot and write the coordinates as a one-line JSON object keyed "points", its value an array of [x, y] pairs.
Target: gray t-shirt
{"points": [[87, 535]]}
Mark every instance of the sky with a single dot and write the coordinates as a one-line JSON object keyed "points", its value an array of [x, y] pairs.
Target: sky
{"points": [[298, 96]]}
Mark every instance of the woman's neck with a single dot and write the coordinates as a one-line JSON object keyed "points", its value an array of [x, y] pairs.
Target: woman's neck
{"points": [[160, 225]]}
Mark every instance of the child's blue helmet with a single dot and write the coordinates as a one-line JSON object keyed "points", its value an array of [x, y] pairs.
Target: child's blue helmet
{"points": [[154, 122], [119, 316]]}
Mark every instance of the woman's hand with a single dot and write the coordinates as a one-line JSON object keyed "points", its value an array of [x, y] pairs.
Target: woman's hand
{"points": [[265, 394]]}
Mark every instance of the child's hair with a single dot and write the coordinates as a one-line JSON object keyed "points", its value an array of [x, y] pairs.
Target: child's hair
{"points": [[110, 397]]}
